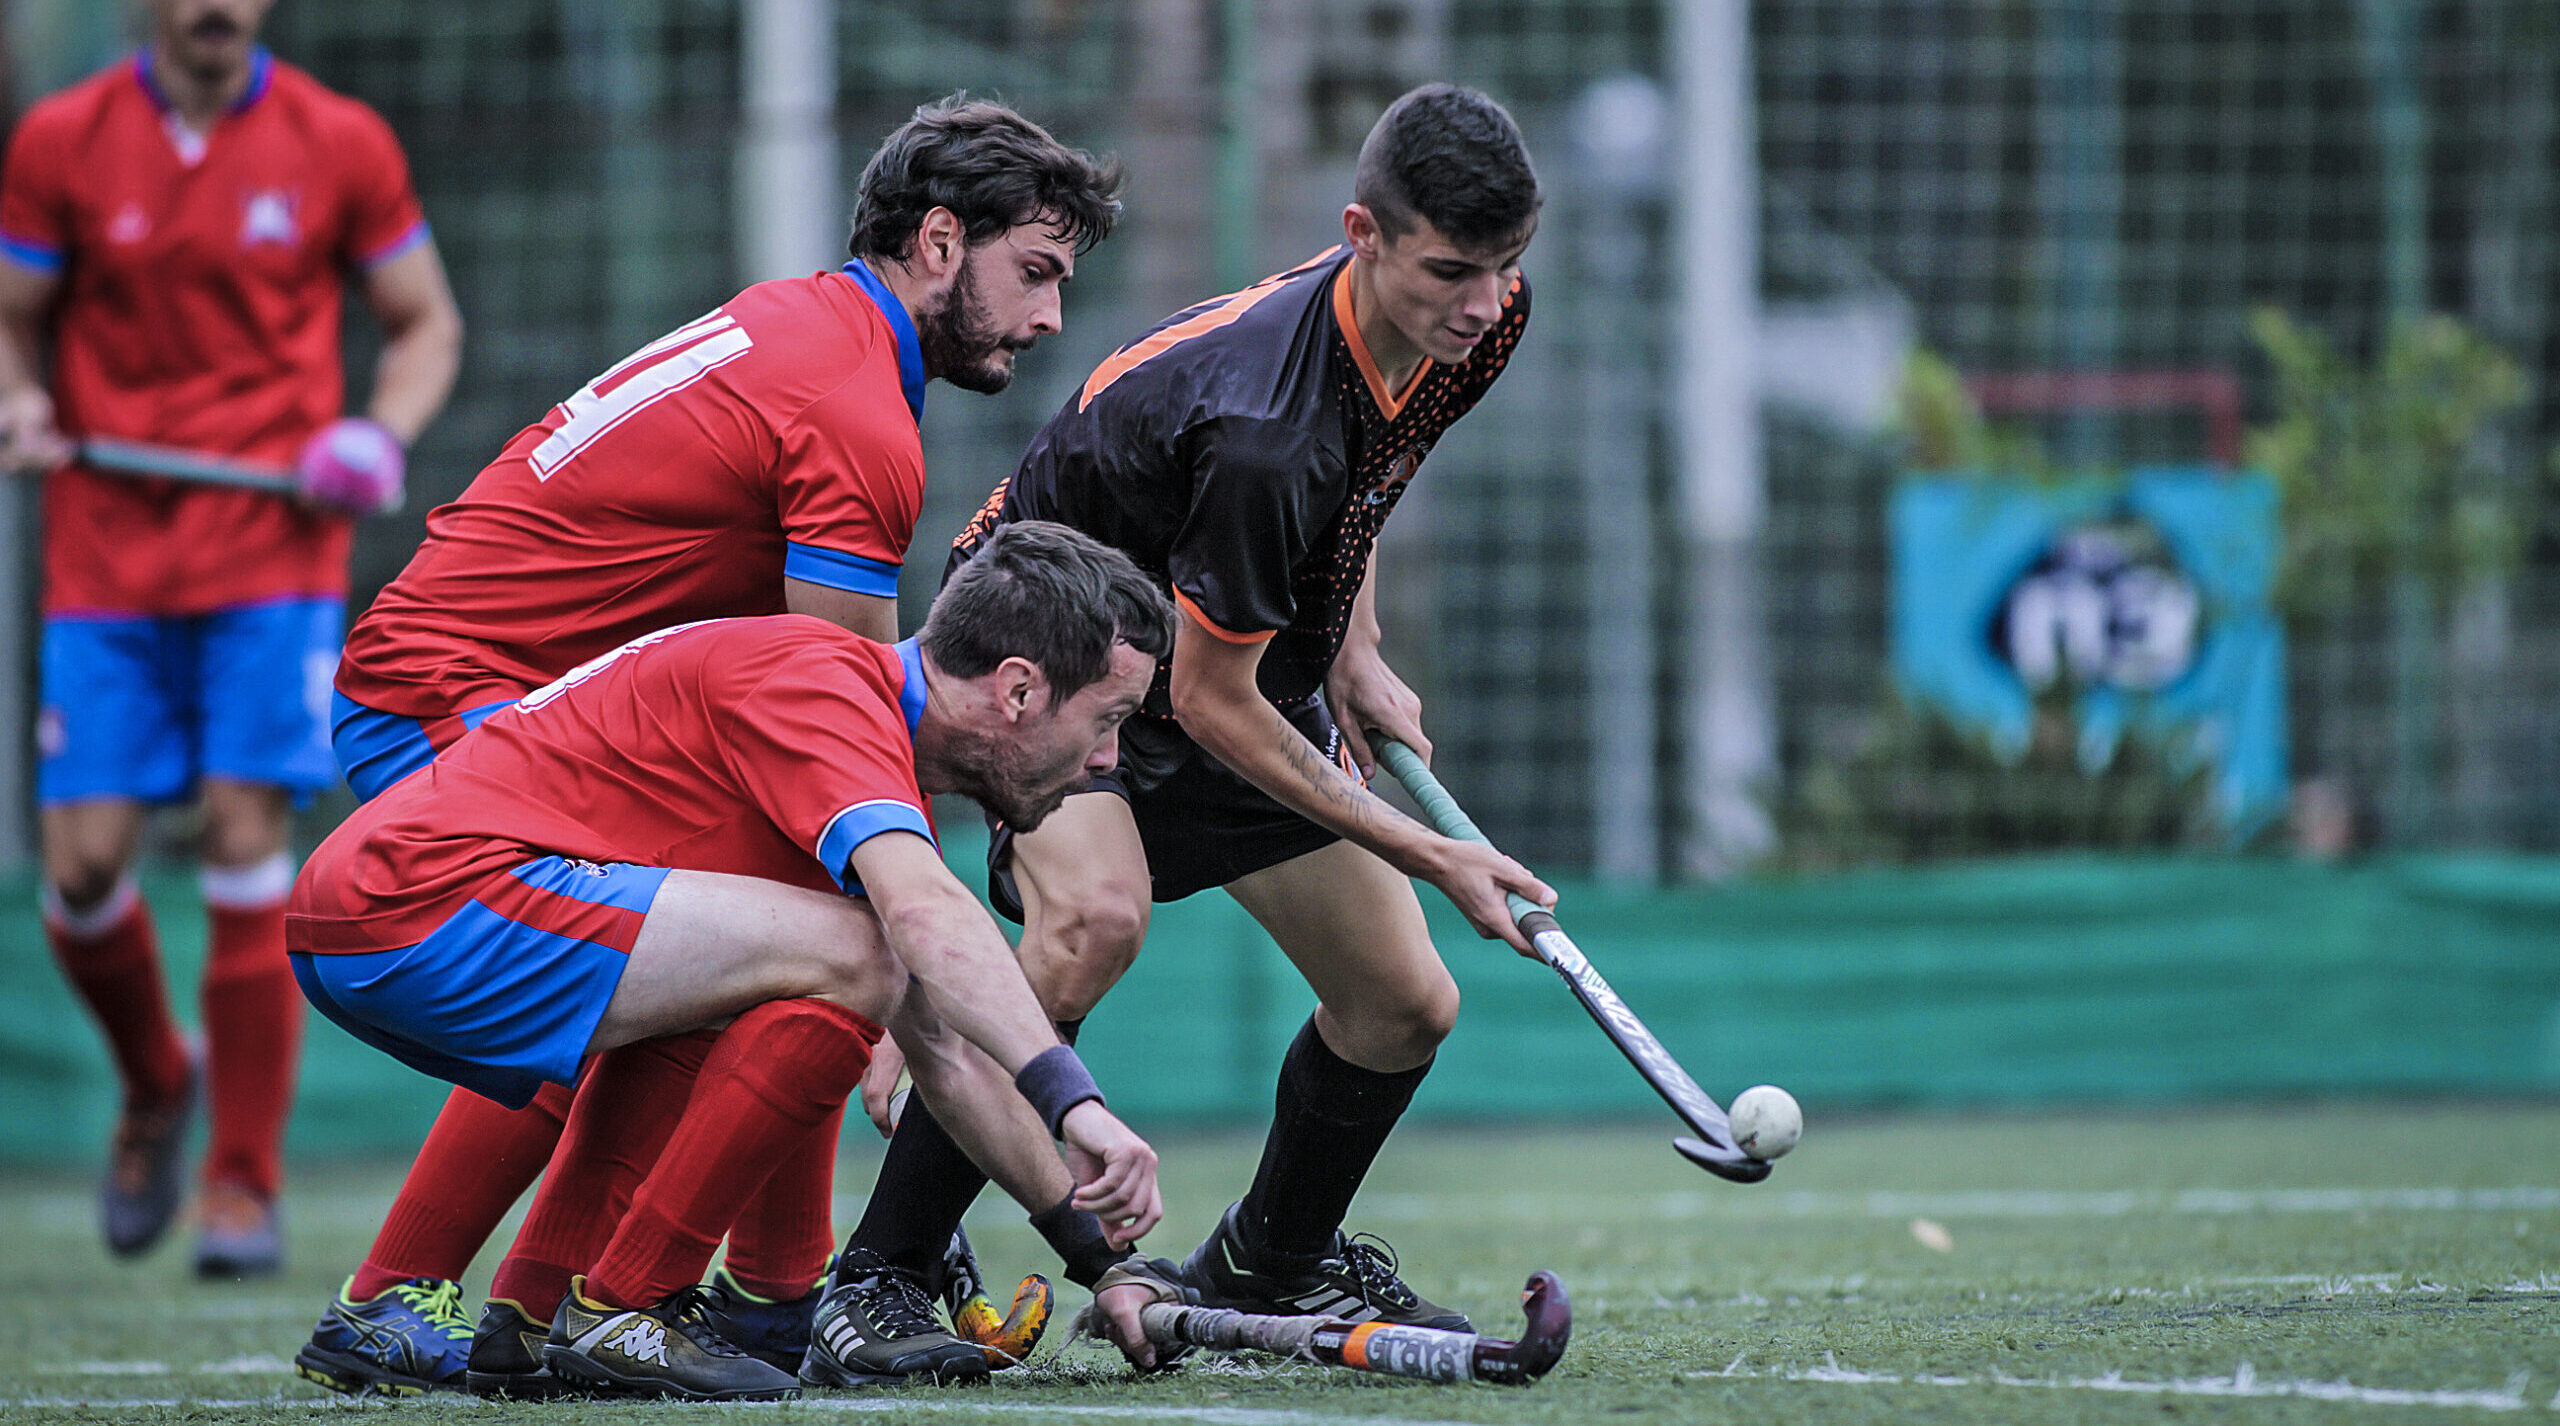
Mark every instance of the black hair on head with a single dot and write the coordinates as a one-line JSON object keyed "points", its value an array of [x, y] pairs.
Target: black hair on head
{"points": [[1451, 157], [1053, 595], [994, 169]]}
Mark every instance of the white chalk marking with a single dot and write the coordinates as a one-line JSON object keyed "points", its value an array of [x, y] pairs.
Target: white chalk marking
{"points": [[2243, 1382], [1978, 1203], [849, 1405]]}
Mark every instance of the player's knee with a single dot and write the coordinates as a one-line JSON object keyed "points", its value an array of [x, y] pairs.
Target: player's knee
{"points": [[863, 978], [1433, 1015], [82, 881], [1083, 948]]}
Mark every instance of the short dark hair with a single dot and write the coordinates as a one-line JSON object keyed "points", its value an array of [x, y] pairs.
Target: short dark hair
{"points": [[994, 169], [1452, 157], [1056, 596]]}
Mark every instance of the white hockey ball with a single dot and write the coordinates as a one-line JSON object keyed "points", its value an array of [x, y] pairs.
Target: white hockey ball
{"points": [[1766, 1122]]}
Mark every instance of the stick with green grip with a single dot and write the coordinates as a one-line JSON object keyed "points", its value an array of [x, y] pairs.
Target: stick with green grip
{"points": [[1713, 1148]]}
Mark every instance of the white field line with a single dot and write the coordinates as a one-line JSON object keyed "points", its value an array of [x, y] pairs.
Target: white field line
{"points": [[848, 1405], [2243, 1382], [69, 1213], [1979, 1203]]}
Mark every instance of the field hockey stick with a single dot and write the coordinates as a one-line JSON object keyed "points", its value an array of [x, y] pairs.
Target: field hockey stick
{"points": [[1386, 1349], [194, 467], [1713, 1148]]}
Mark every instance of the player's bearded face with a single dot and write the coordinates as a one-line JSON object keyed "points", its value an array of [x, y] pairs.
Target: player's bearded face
{"points": [[1027, 771], [961, 340]]}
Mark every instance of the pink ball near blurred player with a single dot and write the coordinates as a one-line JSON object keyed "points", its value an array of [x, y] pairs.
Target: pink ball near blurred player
{"points": [[353, 466]]}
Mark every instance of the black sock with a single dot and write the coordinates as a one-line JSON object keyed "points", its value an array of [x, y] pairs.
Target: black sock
{"points": [[1078, 1238], [1329, 1121], [925, 1187]]}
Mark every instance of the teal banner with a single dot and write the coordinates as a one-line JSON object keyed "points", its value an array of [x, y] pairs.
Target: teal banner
{"points": [[2146, 599], [2030, 983]]}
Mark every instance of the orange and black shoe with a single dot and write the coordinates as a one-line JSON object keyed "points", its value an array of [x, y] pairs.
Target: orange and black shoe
{"points": [[1007, 1340]]}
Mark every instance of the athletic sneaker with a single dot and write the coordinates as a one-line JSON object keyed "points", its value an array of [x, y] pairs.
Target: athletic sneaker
{"points": [[506, 1357], [667, 1349], [139, 1197], [1007, 1340], [236, 1233], [409, 1340], [769, 1331], [1357, 1282], [876, 1325]]}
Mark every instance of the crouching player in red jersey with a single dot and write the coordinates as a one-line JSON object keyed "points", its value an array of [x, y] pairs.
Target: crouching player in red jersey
{"points": [[763, 458], [723, 826], [186, 221]]}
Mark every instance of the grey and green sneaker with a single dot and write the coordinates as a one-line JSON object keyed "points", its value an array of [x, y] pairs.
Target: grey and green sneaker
{"points": [[506, 1356], [877, 1325], [1356, 1282], [409, 1340], [668, 1349]]}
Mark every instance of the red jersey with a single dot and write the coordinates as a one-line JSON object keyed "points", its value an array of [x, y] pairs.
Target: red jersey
{"points": [[774, 437], [202, 279], [761, 747]]}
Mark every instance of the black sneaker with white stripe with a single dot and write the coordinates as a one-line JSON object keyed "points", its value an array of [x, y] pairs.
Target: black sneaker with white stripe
{"points": [[1357, 1282]]}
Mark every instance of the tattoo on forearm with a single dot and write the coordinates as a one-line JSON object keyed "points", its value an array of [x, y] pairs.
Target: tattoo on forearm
{"points": [[1326, 779]]}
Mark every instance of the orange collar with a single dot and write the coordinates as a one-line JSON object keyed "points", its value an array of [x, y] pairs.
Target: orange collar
{"points": [[1389, 402]]}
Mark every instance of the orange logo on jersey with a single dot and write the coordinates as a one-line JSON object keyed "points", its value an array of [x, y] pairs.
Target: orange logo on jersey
{"points": [[1224, 311]]}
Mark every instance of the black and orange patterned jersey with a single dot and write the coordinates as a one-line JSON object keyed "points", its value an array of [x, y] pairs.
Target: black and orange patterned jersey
{"points": [[1245, 452]]}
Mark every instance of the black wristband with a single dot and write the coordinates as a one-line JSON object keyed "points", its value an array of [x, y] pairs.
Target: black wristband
{"points": [[1077, 1238], [1056, 1081]]}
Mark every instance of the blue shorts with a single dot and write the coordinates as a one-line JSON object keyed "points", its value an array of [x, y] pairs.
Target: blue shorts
{"points": [[143, 706], [376, 749], [506, 994]]}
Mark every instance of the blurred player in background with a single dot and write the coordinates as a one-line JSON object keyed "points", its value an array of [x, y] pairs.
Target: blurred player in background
{"points": [[176, 233], [1246, 452], [763, 458], [715, 839]]}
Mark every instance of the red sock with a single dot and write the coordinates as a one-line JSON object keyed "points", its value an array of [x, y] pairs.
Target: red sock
{"points": [[778, 1072], [252, 1024], [111, 956], [779, 1245], [629, 1101], [477, 1161]]}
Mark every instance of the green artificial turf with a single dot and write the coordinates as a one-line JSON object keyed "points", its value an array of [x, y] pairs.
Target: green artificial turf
{"points": [[2369, 1262]]}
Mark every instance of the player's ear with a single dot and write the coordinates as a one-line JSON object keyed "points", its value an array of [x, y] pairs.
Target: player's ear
{"points": [[1360, 230], [1020, 688], [942, 243]]}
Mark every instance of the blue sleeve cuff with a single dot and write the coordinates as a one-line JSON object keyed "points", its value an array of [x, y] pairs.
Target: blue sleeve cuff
{"points": [[860, 823], [35, 257], [401, 244], [837, 570]]}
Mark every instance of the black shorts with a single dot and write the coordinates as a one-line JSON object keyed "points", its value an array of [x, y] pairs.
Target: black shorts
{"points": [[1201, 825]]}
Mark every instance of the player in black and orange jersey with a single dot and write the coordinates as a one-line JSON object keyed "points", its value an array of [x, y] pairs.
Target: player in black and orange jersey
{"points": [[1246, 452]]}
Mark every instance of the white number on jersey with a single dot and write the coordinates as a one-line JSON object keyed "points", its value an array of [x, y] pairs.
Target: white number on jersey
{"points": [[674, 362], [598, 664]]}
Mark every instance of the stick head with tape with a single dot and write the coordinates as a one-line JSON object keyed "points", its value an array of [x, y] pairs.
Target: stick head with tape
{"points": [[353, 466]]}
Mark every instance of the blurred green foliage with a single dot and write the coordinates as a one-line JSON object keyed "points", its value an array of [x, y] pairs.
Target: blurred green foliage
{"points": [[1918, 787], [2389, 468], [1941, 428]]}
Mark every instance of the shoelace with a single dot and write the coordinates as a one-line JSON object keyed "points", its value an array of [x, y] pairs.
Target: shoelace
{"points": [[689, 1312], [1372, 1264], [440, 1305], [897, 1305]]}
